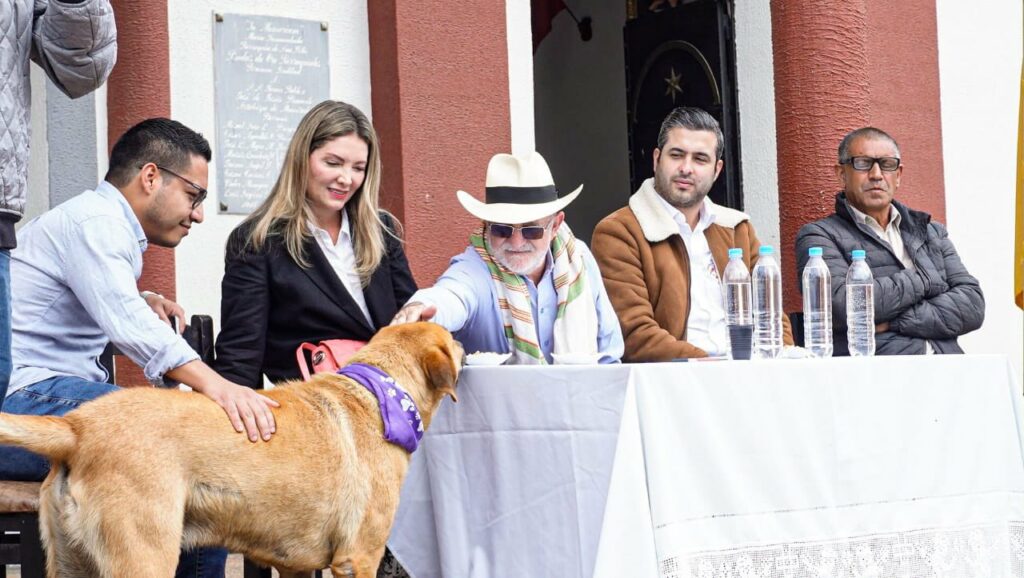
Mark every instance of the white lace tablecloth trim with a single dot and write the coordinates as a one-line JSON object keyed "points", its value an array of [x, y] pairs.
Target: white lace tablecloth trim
{"points": [[980, 551]]}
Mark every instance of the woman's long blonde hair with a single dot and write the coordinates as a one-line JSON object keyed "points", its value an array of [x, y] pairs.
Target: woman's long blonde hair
{"points": [[286, 211]]}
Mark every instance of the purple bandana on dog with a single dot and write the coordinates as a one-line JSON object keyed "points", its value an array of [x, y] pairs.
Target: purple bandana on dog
{"points": [[402, 424]]}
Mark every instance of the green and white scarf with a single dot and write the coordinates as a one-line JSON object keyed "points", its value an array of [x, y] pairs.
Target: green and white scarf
{"points": [[575, 329]]}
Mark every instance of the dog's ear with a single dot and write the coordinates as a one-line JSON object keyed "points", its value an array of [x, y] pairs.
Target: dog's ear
{"points": [[441, 371]]}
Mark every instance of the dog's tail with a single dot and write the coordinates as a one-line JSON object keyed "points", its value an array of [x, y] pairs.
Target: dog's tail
{"points": [[48, 436]]}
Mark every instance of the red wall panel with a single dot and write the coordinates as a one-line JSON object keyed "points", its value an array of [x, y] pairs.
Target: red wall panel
{"points": [[841, 66], [439, 72]]}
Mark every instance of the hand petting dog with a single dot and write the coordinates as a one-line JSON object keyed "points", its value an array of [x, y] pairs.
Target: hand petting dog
{"points": [[248, 410]]}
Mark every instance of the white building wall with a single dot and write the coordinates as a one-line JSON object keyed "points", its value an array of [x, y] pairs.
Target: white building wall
{"points": [[580, 111], [520, 75], [102, 142], [200, 257], [979, 79], [755, 82], [69, 125], [37, 200]]}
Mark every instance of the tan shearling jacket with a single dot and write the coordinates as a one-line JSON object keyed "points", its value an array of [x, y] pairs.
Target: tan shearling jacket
{"points": [[646, 271]]}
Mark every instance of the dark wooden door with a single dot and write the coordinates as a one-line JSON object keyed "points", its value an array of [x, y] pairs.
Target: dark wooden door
{"points": [[682, 55]]}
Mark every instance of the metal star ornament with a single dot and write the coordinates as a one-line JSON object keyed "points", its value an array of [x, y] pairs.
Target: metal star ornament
{"points": [[673, 81]]}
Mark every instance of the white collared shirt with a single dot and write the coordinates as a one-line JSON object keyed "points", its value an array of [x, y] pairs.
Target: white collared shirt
{"points": [[891, 236], [342, 258], [705, 326]]}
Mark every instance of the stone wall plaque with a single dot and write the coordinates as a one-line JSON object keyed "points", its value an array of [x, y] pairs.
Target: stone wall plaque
{"points": [[268, 73]]}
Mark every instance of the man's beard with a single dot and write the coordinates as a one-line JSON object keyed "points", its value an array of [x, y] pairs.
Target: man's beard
{"points": [[526, 264], [664, 187]]}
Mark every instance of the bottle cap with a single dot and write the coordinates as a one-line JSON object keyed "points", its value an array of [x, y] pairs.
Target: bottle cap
{"points": [[814, 252], [735, 253], [858, 254], [766, 250]]}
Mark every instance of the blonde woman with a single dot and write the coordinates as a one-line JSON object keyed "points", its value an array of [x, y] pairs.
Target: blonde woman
{"points": [[318, 259]]}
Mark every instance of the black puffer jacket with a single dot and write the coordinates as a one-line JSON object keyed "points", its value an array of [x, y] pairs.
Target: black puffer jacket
{"points": [[938, 302]]}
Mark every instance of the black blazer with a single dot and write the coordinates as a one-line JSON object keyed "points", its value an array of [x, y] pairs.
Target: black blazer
{"points": [[270, 305]]}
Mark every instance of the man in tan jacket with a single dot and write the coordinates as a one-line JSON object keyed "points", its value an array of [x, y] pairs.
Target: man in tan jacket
{"points": [[662, 256]]}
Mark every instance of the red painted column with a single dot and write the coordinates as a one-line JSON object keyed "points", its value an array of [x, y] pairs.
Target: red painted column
{"points": [[139, 88], [439, 73], [842, 66]]}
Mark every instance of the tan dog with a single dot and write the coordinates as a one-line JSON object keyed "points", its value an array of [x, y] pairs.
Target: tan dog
{"points": [[140, 473]]}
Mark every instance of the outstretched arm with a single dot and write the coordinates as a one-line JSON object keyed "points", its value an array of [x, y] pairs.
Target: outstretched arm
{"points": [[454, 300]]}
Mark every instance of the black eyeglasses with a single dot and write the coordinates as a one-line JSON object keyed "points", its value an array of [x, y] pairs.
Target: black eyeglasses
{"points": [[200, 191], [530, 232], [887, 164]]}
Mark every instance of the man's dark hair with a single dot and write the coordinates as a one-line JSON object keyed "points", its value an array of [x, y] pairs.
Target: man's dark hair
{"points": [[162, 141], [867, 132], [692, 118]]}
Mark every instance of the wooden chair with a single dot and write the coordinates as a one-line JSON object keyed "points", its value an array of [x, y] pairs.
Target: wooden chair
{"points": [[19, 513]]}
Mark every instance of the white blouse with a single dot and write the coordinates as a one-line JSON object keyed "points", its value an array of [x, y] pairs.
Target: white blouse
{"points": [[342, 258]]}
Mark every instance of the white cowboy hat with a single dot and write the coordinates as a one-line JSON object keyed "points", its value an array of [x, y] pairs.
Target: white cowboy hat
{"points": [[519, 190]]}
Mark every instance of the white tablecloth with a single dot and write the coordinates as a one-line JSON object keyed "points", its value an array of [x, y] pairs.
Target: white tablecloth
{"points": [[512, 480], [909, 466]]}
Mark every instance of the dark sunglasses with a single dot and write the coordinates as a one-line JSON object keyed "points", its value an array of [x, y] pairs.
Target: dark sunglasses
{"points": [[200, 194], [530, 232]]}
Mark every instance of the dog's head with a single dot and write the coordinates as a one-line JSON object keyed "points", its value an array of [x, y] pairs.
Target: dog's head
{"points": [[425, 351]]}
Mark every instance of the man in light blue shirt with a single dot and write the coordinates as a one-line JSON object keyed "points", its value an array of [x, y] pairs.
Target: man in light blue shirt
{"points": [[75, 272], [74, 277], [525, 285]]}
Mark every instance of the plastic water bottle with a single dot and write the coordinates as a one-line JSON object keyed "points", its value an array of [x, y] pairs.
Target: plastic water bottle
{"points": [[766, 282], [817, 289], [860, 306], [738, 316]]}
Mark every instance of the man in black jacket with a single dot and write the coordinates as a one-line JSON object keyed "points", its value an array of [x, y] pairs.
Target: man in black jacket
{"points": [[924, 297]]}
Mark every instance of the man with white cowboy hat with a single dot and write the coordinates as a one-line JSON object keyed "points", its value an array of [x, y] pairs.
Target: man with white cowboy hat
{"points": [[524, 285]]}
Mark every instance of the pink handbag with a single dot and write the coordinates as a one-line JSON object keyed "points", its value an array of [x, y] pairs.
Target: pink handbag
{"points": [[327, 356]]}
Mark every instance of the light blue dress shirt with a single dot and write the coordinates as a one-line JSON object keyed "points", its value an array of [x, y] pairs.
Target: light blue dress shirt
{"points": [[73, 289], [467, 306]]}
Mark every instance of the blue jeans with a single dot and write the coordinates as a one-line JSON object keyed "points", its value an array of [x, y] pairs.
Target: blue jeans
{"points": [[202, 563], [5, 323], [57, 396]]}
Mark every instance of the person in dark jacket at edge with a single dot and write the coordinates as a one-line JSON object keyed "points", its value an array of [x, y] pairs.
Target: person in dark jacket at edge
{"points": [[924, 297]]}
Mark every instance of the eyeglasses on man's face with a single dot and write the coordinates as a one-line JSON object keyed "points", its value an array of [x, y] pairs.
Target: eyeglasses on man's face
{"points": [[200, 193], [529, 232], [887, 164]]}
